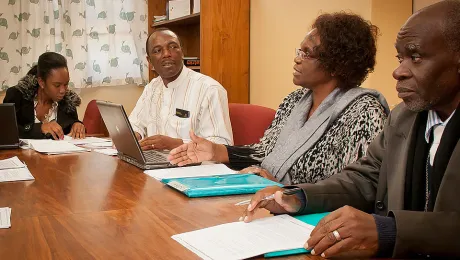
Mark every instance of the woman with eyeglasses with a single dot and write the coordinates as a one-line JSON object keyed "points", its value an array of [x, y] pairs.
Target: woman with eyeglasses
{"points": [[321, 127]]}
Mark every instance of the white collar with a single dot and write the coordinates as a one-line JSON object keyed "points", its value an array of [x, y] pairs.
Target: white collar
{"points": [[178, 82]]}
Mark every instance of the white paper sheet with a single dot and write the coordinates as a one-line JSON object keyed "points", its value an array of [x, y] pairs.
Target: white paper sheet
{"points": [[11, 163], [239, 240], [192, 171], [54, 147], [5, 217], [21, 174], [87, 140], [109, 151], [99, 145]]}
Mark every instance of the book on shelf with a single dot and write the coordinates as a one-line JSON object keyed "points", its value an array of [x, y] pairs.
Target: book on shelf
{"points": [[160, 18], [191, 61], [196, 6]]}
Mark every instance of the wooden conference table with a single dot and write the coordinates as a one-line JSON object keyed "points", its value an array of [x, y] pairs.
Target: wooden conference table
{"points": [[93, 206]]}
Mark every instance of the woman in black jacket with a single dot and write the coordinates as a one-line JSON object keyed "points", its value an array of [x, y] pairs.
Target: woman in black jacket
{"points": [[45, 107]]}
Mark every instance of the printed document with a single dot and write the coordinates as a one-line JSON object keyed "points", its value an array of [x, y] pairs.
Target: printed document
{"points": [[11, 163], [191, 171], [13, 169], [5, 217], [21, 174], [240, 240]]}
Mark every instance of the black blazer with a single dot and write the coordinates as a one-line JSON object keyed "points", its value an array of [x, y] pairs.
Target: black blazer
{"points": [[25, 115]]}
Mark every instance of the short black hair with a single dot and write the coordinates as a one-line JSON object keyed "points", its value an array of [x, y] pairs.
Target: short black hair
{"points": [[47, 62], [348, 47], [160, 29]]}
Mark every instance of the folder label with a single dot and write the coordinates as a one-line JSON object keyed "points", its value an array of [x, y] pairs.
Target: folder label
{"points": [[178, 186]]}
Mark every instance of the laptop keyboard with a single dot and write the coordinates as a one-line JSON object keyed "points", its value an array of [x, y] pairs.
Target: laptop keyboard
{"points": [[154, 156]]}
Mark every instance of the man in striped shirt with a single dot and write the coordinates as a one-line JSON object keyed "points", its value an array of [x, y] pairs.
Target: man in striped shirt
{"points": [[179, 100]]}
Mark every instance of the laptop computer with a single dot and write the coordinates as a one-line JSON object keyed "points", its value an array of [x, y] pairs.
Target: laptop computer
{"points": [[123, 137], [9, 135]]}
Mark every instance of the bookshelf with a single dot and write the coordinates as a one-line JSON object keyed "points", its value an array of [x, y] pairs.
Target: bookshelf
{"points": [[194, 68], [186, 20], [219, 35]]}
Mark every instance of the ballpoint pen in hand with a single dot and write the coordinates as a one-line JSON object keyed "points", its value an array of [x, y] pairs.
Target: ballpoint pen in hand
{"points": [[270, 197]]}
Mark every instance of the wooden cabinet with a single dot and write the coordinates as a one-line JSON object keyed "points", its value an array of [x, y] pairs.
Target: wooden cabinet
{"points": [[219, 36]]}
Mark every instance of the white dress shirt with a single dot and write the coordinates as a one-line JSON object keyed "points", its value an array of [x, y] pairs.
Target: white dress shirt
{"points": [[434, 122], [204, 98]]}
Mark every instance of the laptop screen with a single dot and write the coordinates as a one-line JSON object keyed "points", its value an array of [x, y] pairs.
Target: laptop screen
{"points": [[9, 136], [120, 130]]}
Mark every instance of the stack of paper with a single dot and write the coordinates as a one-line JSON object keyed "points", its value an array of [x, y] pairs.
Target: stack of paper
{"points": [[240, 240], [192, 171], [5, 217], [14, 170], [53, 146]]}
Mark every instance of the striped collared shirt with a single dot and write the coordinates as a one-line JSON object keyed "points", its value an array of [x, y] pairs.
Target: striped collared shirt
{"points": [[160, 109], [434, 120], [435, 123]]}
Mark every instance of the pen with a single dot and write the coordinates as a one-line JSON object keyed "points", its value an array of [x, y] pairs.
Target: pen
{"points": [[270, 197]]}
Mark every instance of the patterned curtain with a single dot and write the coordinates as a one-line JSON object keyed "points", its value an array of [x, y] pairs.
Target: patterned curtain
{"points": [[103, 40]]}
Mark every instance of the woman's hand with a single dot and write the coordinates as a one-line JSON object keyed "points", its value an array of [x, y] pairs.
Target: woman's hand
{"points": [[78, 131], [259, 171], [54, 129]]}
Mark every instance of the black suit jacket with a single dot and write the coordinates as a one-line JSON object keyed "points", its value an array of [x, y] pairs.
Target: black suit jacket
{"points": [[376, 183], [25, 115]]}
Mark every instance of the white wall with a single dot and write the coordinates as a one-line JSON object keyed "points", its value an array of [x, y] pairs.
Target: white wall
{"points": [[419, 4]]}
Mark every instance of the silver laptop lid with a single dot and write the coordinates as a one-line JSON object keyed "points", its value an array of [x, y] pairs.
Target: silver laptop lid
{"points": [[120, 129], [9, 135]]}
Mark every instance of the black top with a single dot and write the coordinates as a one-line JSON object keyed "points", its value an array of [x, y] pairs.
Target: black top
{"points": [[25, 115]]}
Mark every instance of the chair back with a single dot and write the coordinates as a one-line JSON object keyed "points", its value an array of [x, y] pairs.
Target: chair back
{"points": [[249, 122], [93, 120]]}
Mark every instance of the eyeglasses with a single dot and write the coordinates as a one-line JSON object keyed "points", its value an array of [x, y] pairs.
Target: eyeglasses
{"points": [[303, 55]]}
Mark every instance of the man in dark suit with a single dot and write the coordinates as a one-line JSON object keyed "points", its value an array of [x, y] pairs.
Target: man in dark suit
{"points": [[402, 198]]}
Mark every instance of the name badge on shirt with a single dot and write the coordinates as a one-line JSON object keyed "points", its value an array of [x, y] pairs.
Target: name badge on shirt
{"points": [[182, 113]]}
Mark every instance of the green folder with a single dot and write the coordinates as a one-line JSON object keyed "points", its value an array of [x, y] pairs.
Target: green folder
{"points": [[311, 219]]}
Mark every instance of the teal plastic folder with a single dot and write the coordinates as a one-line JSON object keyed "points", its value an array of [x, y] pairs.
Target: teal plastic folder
{"points": [[311, 219], [220, 185]]}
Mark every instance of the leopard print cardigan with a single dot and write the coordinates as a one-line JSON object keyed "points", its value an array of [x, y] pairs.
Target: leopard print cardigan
{"points": [[343, 143]]}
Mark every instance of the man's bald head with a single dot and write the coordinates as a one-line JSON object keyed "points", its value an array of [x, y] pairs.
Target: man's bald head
{"points": [[428, 47], [447, 14]]}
